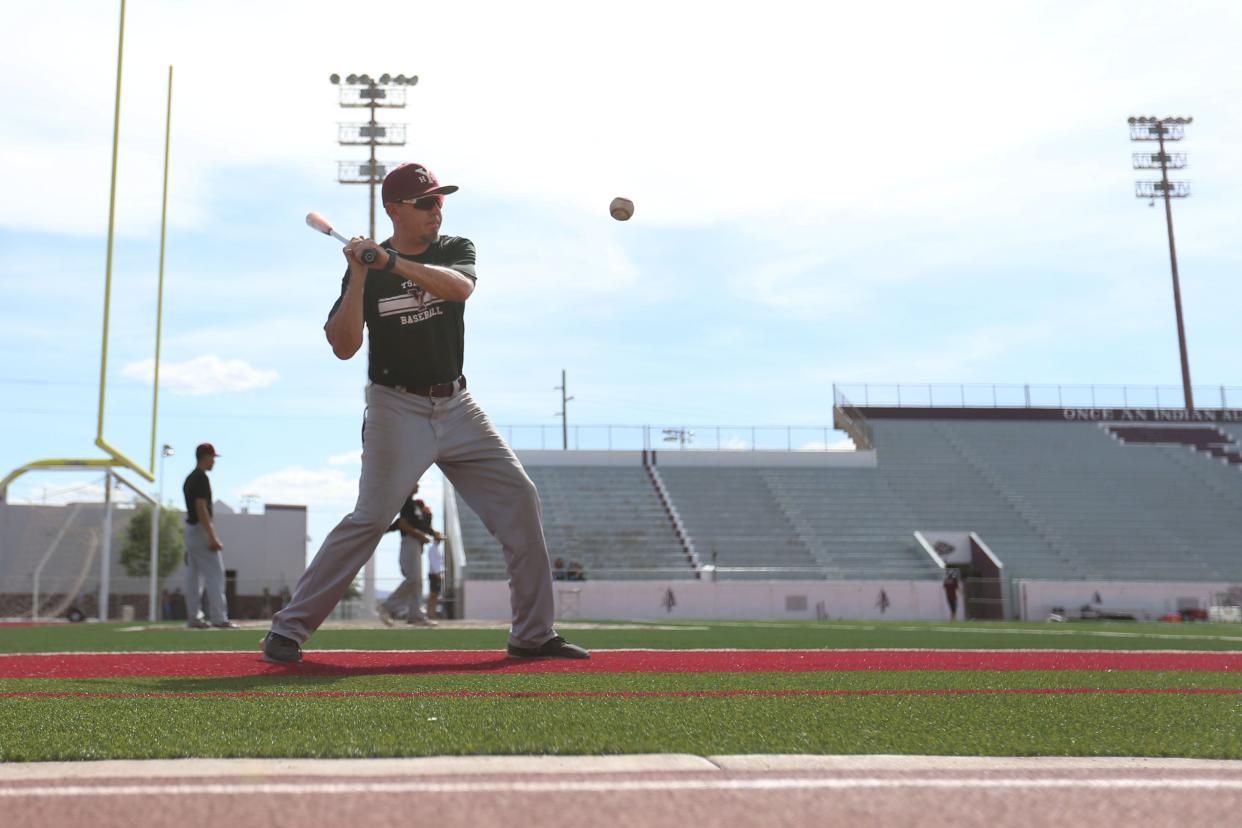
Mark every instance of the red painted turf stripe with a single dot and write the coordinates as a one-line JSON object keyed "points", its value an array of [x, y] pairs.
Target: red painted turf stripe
{"points": [[620, 694], [485, 662]]}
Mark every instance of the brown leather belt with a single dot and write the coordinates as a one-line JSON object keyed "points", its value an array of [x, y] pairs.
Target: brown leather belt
{"points": [[444, 389]]}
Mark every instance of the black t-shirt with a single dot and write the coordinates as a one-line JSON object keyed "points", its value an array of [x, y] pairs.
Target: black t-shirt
{"points": [[416, 514], [196, 485], [416, 338]]}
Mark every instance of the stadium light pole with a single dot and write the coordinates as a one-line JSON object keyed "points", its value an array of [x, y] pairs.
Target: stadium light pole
{"points": [[1151, 128], [361, 91]]}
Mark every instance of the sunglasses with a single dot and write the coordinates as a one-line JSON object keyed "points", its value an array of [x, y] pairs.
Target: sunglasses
{"points": [[430, 202]]}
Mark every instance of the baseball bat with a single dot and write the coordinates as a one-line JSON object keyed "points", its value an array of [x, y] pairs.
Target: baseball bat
{"points": [[318, 222]]}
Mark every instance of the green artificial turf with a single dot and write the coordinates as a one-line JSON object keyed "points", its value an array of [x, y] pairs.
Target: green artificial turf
{"points": [[156, 726], [114, 637]]}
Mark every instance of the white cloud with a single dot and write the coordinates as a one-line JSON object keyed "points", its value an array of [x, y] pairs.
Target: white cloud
{"points": [[819, 445], [880, 109], [349, 458], [313, 488], [64, 492], [202, 375], [331, 489]]}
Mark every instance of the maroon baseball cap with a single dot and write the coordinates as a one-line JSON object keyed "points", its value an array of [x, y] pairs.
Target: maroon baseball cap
{"points": [[205, 448], [409, 181]]}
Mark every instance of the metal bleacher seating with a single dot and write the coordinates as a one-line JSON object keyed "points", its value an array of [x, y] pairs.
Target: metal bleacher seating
{"points": [[736, 521], [1052, 499], [609, 519], [1078, 503]]}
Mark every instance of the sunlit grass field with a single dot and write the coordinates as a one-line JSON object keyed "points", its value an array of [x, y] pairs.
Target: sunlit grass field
{"points": [[984, 712]]}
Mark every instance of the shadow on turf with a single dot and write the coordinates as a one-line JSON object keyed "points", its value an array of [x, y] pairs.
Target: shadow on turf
{"points": [[315, 673]]}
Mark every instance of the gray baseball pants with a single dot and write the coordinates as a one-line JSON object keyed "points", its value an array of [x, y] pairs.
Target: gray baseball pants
{"points": [[408, 597], [203, 568], [404, 435]]}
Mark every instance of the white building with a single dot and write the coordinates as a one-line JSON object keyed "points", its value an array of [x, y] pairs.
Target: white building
{"points": [[57, 551]]}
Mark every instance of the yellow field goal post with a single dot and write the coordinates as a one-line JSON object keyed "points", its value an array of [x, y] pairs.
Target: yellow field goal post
{"points": [[115, 457]]}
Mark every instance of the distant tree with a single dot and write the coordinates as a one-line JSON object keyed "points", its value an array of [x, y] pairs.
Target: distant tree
{"points": [[136, 553], [352, 591]]}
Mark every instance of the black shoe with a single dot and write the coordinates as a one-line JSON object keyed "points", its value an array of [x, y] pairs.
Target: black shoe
{"points": [[279, 649], [197, 624], [225, 625], [553, 648]]}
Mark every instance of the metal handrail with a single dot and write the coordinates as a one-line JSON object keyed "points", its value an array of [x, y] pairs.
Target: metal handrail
{"points": [[1030, 395], [689, 438]]}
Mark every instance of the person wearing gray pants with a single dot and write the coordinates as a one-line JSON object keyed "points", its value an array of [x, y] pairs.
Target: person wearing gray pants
{"points": [[406, 601], [412, 303], [204, 566]]}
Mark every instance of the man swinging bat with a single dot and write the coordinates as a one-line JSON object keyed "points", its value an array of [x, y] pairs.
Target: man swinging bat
{"points": [[412, 301]]}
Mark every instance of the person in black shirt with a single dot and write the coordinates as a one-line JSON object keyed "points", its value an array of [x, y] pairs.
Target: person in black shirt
{"points": [[951, 585], [204, 567], [414, 524], [411, 301]]}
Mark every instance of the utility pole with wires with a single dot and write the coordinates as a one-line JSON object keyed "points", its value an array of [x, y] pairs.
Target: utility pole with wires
{"points": [[1151, 128], [360, 91], [564, 415]]}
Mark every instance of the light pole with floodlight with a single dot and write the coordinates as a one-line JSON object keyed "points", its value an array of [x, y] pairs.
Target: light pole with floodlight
{"points": [[359, 91], [1151, 128]]}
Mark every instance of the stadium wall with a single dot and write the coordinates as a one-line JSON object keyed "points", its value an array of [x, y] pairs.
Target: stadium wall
{"points": [[842, 600], [1145, 600], [723, 600]]}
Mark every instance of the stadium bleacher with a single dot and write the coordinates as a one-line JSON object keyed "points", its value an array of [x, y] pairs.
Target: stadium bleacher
{"points": [[1207, 439], [609, 519], [736, 521], [1053, 498], [1086, 505]]}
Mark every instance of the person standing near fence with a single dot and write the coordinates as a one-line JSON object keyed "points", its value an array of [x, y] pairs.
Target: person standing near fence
{"points": [[204, 564]]}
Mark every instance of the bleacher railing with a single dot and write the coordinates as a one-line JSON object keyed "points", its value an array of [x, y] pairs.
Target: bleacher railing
{"points": [[708, 572], [983, 395], [678, 438]]}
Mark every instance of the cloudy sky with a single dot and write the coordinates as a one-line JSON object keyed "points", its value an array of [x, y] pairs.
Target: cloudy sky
{"points": [[853, 193]]}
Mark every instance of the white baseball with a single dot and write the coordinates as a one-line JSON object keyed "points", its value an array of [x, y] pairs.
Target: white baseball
{"points": [[621, 208]]}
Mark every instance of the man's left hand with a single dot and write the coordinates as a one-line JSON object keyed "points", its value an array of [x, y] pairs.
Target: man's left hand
{"points": [[358, 247]]}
